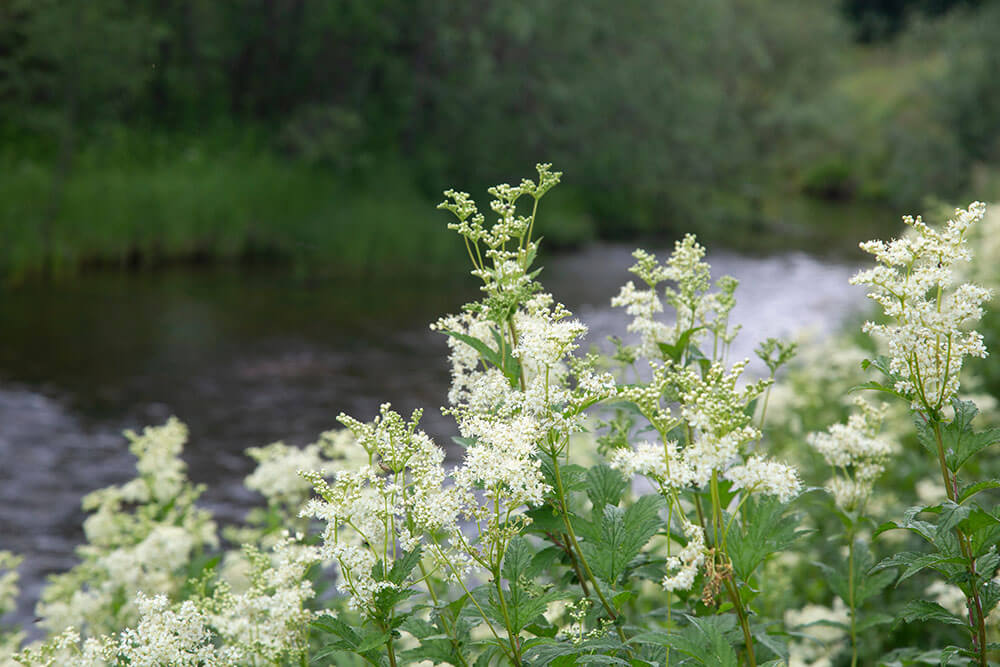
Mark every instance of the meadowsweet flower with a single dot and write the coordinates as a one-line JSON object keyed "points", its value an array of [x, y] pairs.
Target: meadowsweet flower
{"points": [[66, 648], [168, 635], [913, 283], [857, 451], [716, 409], [683, 568], [768, 477], [277, 475], [270, 620], [141, 536], [396, 499], [661, 463], [643, 305]]}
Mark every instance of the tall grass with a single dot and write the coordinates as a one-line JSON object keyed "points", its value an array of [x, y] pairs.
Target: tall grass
{"points": [[138, 200]]}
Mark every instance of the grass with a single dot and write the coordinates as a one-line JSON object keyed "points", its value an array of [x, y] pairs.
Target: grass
{"points": [[137, 200]]}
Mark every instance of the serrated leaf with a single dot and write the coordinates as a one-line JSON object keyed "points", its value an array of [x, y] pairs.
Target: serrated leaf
{"points": [[913, 562], [925, 610], [868, 621], [972, 489], [959, 439], [706, 640], [436, 650], [605, 486], [622, 535], [403, 566], [765, 530], [516, 560], [337, 628], [371, 641]]}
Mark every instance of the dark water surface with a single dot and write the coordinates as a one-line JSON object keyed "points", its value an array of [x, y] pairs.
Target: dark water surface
{"points": [[248, 358]]}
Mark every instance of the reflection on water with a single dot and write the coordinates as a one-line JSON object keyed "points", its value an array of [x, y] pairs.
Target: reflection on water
{"points": [[249, 358]]}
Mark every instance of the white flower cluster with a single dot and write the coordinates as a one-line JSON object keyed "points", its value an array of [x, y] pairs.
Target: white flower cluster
{"points": [[167, 635], [395, 501], [65, 649], [695, 308], [277, 477], [768, 477], [914, 285], [270, 620], [141, 536], [857, 451], [643, 305], [683, 568], [715, 409], [9, 590]]}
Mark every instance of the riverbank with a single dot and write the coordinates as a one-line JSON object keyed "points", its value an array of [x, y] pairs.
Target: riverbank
{"points": [[144, 200]]}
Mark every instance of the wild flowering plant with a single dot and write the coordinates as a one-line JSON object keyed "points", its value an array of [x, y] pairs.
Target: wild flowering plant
{"points": [[632, 516], [927, 336]]}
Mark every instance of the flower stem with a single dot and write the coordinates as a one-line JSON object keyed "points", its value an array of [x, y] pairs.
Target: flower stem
{"points": [[744, 621], [977, 620], [561, 493]]}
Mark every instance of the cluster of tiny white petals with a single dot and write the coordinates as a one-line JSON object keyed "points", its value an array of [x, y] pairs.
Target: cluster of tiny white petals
{"points": [[270, 620], [65, 648], [768, 477], [857, 450], [503, 461], [168, 636], [683, 568], [715, 408], [277, 477], [8, 581], [643, 305], [928, 340], [365, 510], [140, 536], [661, 463]]}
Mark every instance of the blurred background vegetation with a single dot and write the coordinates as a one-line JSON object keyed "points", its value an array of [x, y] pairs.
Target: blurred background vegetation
{"points": [[142, 132]]}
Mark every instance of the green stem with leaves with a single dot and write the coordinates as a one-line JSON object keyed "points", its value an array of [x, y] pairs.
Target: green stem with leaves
{"points": [[564, 512], [977, 620], [850, 595]]}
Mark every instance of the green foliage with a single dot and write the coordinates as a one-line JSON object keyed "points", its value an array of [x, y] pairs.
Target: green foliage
{"points": [[620, 534], [765, 529]]}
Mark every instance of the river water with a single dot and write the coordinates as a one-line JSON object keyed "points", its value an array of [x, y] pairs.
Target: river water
{"points": [[248, 358]]}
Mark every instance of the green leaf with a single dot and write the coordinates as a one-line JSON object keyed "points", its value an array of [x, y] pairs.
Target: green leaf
{"points": [[605, 486], [336, 627], [708, 640], [765, 530], [403, 566], [868, 621], [464, 443], [960, 441], [925, 610], [773, 643], [876, 386], [436, 650], [675, 351], [516, 560], [913, 562], [622, 535], [371, 641], [972, 489], [484, 350]]}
